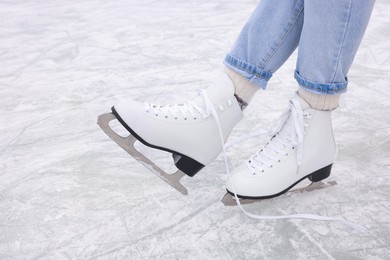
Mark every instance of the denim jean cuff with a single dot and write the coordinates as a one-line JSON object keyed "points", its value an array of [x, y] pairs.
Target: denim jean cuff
{"points": [[321, 88], [254, 74]]}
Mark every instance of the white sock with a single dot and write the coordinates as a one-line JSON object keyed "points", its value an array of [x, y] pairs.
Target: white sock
{"points": [[244, 90], [319, 101]]}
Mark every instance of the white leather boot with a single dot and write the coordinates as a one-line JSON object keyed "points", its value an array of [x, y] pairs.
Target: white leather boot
{"points": [[301, 147], [188, 130]]}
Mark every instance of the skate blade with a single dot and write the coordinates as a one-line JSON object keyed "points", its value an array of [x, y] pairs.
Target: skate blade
{"points": [[229, 200], [127, 144]]}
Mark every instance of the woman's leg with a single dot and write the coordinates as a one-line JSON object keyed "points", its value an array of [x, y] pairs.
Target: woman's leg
{"points": [[267, 40], [331, 34], [302, 145]]}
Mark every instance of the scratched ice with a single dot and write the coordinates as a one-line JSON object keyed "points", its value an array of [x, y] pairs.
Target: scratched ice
{"points": [[68, 192]]}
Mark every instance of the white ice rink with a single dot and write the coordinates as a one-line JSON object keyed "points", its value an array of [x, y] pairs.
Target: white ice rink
{"points": [[68, 192]]}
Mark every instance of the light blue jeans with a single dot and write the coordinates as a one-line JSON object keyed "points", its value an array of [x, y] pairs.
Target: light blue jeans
{"points": [[326, 32]]}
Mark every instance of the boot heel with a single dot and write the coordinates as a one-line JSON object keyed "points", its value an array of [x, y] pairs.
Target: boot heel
{"points": [[186, 164], [320, 174]]}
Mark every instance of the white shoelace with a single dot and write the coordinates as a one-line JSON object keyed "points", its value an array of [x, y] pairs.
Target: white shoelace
{"points": [[186, 109], [296, 136], [288, 133]]}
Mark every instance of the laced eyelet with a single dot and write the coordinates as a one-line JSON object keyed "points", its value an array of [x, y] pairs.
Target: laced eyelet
{"points": [[185, 118], [166, 116], [194, 118], [156, 115], [279, 160], [175, 118]]}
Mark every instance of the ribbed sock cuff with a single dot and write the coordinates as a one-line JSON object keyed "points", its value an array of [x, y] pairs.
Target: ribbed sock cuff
{"points": [[243, 88], [319, 101]]}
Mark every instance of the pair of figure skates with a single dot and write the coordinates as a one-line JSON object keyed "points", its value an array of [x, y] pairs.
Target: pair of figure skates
{"points": [[301, 145]]}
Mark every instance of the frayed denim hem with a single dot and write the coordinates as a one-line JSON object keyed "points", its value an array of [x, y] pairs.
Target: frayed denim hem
{"points": [[317, 88], [254, 74]]}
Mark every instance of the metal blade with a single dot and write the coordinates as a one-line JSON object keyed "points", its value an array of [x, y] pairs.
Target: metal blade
{"points": [[229, 200], [127, 144]]}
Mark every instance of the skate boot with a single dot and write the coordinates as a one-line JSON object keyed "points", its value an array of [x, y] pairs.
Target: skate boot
{"points": [[302, 146], [191, 131]]}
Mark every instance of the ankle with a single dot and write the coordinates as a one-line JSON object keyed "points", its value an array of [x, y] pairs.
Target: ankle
{"points": [[244, 90], [319, 101]]}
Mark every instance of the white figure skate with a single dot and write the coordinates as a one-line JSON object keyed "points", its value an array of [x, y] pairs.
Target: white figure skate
{"points": [[302, 146], [189, 130]]}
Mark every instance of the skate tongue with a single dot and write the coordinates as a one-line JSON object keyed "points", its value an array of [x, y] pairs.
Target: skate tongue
{"points": [[221, 89]]}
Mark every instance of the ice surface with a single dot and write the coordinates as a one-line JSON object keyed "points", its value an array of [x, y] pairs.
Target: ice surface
{"points": [[68, 192]]}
